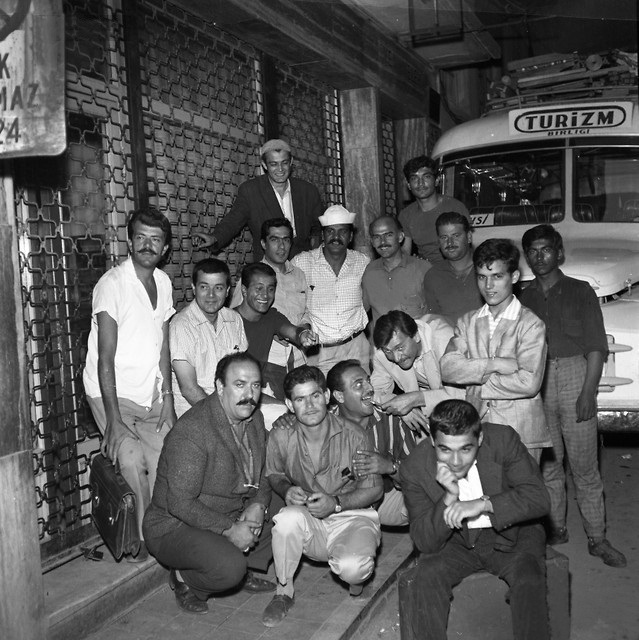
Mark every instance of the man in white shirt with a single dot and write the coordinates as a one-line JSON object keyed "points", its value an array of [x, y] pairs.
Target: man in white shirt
{"points": [[202, 334], [127, 377], [475, 497], [334, 297]]}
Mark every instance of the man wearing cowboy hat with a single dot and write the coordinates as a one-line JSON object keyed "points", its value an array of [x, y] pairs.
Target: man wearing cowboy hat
{"points": [[334, 296], [272, 195]]}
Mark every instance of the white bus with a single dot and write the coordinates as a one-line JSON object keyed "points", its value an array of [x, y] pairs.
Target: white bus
{"points": [[575, 165]]}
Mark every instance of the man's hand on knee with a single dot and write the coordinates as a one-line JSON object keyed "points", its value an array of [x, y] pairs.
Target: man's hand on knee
{"points": [[320, 505], [114, 434], [241, 534]]}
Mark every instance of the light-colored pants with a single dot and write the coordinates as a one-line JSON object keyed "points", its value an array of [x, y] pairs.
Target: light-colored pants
{"points": [[348, 541], [393, 512], [138, 459], [327, 357]]}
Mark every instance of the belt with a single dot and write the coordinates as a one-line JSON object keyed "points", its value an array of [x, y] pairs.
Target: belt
{"points": [[341, 342]]}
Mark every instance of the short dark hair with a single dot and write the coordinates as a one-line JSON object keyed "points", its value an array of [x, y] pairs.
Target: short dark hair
{"points": [[420, 162], [391, 322], [254, 269], [393, 219], [542, 232], [233, 358], [275, 222], [495, 249], [151, 217], [301, 375], [211, 265], [452, 217], [454, 418], [334, 379]]}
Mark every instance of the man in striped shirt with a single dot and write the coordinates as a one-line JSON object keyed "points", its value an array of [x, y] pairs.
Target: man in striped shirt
{"points": [[390, 440]]}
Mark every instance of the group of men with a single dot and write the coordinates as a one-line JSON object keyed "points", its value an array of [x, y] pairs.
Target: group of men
{"points": [[419, 441]]}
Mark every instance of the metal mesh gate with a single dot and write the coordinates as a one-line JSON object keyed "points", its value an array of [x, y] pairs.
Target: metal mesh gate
{"points": [[203, 124]]}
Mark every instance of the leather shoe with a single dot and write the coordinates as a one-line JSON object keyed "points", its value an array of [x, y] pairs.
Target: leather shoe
{"points": [[257, 585], [604, 550], [557, 536], [186, 599], [141, 556], [276, 610]]}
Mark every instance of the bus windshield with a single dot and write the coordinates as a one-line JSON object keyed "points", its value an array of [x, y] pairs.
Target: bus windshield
{"points": [[510, 188]]}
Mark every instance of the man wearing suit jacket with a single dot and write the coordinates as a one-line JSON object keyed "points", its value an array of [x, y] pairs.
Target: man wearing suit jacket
{"points": [[210, 498], [272, 195], [499, 351], [474, 496]]}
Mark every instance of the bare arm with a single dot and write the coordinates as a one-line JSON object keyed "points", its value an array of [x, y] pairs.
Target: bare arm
{"points": [[302, 336], [167, 413], [116, 431], [187, 381]]}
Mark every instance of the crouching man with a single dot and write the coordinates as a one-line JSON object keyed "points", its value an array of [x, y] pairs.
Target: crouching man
{"points": [[211, 495], [328, 514], [474, 496]]}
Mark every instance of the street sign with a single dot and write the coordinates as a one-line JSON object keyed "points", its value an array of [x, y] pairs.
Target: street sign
{"points": [[32, 121]]}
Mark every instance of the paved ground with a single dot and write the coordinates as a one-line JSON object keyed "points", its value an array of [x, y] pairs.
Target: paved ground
{"points": [[604, 601]]}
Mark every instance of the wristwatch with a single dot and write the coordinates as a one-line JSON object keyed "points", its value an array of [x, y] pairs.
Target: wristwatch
{"points": [[338, 504]]}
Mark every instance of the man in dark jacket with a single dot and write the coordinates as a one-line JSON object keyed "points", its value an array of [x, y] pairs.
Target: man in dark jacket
{"points": [[273, 195], [211, 496], [474, 496]]}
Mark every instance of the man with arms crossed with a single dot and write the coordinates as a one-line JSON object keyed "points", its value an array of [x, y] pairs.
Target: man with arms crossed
{"points": [[202, 333], [577, 347], [474, 496], [328, 514], [127, 377]]}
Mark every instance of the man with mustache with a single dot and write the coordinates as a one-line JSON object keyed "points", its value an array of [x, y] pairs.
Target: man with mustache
{"points": [[394, 280], [334, 302], [450, 287], [276, 193], [127, 377], [210, 499], [328, 514]]}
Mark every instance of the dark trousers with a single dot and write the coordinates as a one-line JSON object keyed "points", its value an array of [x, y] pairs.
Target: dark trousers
{"points": [[209, 562], [437, 574]]}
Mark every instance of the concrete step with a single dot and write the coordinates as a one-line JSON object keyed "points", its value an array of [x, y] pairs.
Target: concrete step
{"points": [[83, 595]]}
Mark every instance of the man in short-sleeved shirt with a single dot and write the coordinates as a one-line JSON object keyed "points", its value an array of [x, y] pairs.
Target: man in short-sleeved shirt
{"points": [[328, 514], [202, 334], [394, 280], [577, 347], [450, 287], [418, 218], [335, 307], [262, 322], [127, 377]]}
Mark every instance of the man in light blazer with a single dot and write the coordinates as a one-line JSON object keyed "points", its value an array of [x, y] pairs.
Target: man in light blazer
{"points": [[273, 195], [499, 351]]}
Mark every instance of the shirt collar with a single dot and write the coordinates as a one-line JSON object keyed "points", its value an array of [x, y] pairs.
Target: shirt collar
{"points": [[288, 267], [509, 313]]}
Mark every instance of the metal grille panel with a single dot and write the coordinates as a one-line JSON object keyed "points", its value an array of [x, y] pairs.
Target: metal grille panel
{"points": [[388, 156], [203, 124]]}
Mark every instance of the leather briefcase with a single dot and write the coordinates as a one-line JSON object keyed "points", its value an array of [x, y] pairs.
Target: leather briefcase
{"points": [[113, 508]]}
